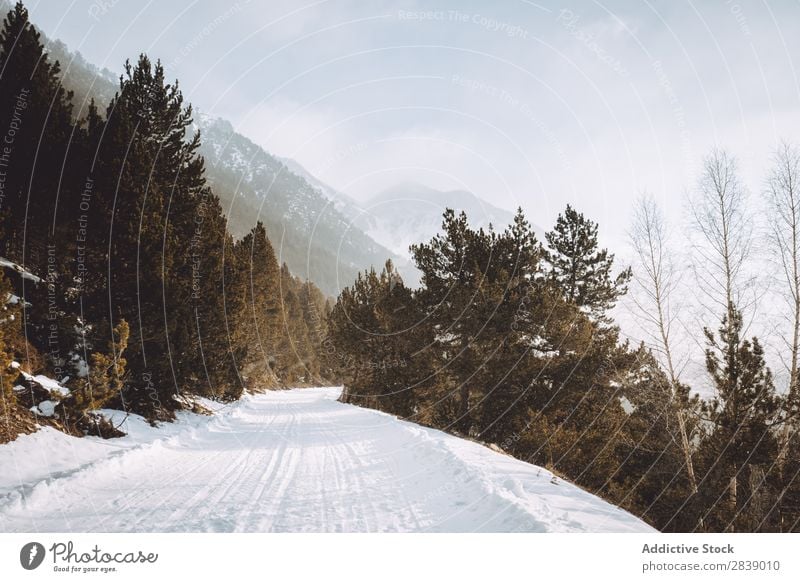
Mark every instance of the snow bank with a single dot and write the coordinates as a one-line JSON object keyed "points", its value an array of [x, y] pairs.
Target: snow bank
{"points": [[48, 384]]}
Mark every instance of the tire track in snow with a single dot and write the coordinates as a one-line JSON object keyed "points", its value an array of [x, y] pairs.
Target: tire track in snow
{"points": [[300, 461]]}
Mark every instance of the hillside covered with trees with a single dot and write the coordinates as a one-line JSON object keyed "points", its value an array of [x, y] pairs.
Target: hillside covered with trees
{"points": [[125, 284], [509, 340]]}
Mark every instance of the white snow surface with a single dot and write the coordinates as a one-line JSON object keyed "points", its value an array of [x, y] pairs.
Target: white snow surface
{"points": [[45, 408], [48, 384], [286, 461]]}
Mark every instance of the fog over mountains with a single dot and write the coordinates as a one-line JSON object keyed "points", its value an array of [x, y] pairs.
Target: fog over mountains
{"points": [[406, 213], [322, 233], [410, 213]]}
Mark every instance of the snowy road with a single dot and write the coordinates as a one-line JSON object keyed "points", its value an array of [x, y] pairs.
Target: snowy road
{"points": [[292, 461]]}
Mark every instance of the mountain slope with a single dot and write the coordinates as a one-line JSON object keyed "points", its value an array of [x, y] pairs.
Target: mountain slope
{"points": [[313, 236], [341, 201], [309, 233], [286, 462]]}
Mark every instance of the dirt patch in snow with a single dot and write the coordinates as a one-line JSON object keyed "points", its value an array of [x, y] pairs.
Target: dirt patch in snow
{"points": [[19, 420], [16, 422]]}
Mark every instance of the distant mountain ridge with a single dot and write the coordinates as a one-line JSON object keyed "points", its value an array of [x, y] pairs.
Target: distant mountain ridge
{"points": [[407, 213], [410, 213]]}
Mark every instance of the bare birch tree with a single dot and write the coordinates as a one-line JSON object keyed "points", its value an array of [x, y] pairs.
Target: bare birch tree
{"points": [[657, 281], [741, 405], [783, 197], [720, 216]]}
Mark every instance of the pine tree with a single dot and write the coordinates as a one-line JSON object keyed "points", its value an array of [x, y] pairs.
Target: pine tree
{"points": [[788, 486], [294, 357], [651, 477], [314, 306], [451, 266], [106, 376], [511, 292], [163, 243], [35, 113], [346, 323], [580, 269], [738, 454], [379, 344], [260, 322]]}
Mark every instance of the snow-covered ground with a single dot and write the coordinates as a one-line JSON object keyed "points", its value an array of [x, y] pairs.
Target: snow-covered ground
{"points": [[292, 461]]}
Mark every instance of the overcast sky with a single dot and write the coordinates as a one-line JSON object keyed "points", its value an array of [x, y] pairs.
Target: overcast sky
{"points": [[531, 104]]}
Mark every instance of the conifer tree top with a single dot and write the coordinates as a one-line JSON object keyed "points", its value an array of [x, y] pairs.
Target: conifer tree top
{"points": [[582, 270]]}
